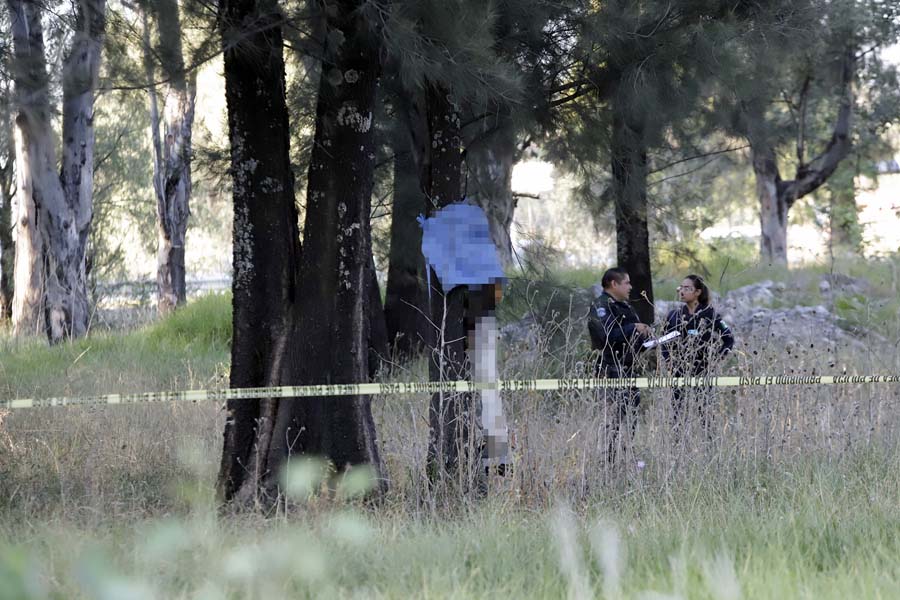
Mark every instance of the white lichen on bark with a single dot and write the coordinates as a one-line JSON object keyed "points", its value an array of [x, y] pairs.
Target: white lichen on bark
{"points": [[243, 248], [349, 116]]}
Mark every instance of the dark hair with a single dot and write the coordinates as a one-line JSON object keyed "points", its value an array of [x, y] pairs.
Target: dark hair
{"points": [[700, 285], [616, 274]]}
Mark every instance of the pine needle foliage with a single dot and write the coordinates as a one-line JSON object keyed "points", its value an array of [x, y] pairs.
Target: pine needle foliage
{"points": [[449, 43]]}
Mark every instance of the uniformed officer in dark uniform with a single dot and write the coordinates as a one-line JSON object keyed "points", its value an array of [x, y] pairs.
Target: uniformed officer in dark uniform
{"points": [[617, 333], [704, 338]]}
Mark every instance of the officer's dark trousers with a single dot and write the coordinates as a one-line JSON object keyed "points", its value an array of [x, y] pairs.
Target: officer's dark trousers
{"points": [[622, 404], [686, 400]]}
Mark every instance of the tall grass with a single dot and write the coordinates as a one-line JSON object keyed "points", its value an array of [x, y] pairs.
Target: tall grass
{"points": [[794, 493]]}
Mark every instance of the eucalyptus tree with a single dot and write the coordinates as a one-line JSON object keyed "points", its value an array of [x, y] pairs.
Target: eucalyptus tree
{"points": [[878, 89], [797, 91], [171, 126], [54, 208]]}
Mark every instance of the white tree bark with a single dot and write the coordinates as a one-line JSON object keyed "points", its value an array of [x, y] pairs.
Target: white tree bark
{"points": [[38, 188], [35, 180], [7, 191]]}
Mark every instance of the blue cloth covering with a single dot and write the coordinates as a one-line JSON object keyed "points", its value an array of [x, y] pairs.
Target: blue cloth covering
{"points": [[456, 242]]}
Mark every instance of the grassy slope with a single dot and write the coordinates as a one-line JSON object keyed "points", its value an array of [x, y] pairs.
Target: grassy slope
{"points": [[188, 350]]}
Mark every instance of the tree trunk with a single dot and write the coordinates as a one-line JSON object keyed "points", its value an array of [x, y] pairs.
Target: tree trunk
{"points": [[773, 208], [7, 191], [53, 210], [406, 300], [629, 170], [173, 189], [449, 413], [489, 162], [67, 304], [6, 245], [334, 308], [37, 183], [266, 249]]}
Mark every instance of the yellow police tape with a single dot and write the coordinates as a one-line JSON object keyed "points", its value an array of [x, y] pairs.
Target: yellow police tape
{"points": [[429, 387]]}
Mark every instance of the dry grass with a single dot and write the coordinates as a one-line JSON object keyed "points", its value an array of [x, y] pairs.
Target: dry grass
{"points": [[121, 455], [691, 514]]}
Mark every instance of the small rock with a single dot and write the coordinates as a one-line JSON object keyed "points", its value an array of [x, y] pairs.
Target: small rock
{"points": [[846, 284], [743, 299]]}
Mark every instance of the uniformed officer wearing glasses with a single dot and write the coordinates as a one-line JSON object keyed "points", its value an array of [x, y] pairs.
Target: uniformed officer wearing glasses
{"points": [[704, 339]]}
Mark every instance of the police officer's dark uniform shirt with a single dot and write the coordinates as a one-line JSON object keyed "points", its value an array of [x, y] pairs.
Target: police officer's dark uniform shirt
{"points": [[611, 326], [700, 333]]}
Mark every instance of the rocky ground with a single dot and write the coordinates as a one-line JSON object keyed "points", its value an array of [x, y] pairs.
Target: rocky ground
{"points": [[774, 311]]}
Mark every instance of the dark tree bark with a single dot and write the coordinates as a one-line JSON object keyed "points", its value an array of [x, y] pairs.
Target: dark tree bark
{"points": [[172, 167], [54, 211], [6, 244], [7, 191], [265, 238], [450, 414], [328, 324], [67, 304], [777, 196], [406, 299], [334, 308], [628, 151]]}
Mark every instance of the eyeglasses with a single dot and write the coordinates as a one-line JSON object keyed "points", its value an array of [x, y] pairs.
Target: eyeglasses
{"points": [[686, 288]]}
